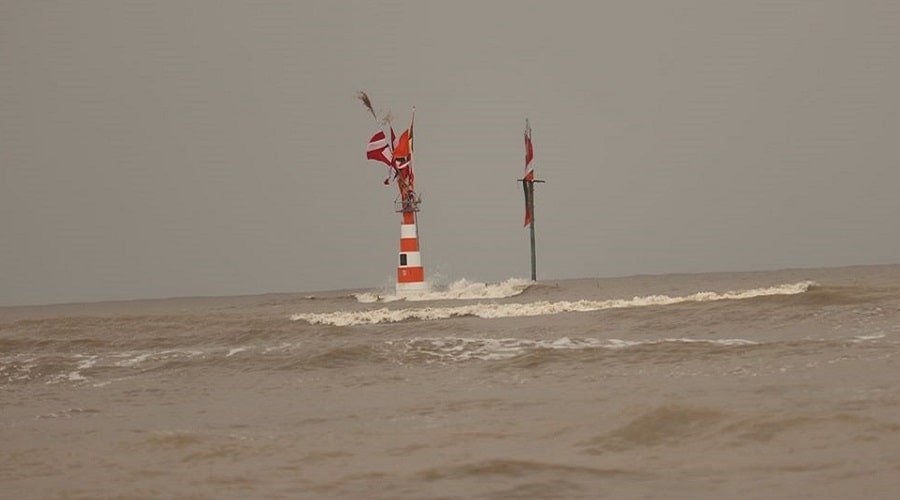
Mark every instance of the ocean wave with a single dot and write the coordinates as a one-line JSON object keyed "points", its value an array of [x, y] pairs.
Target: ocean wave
{"points": [[491, 310], [84, 368], [459, 349], [462, 289]]}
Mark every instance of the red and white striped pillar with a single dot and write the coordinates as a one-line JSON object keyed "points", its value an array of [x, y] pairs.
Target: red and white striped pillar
{"points": [[410, 273]]}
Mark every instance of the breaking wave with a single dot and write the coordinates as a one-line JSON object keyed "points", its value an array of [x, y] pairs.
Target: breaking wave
{"points": [[386, 315], [462, 289], [458, 349]]}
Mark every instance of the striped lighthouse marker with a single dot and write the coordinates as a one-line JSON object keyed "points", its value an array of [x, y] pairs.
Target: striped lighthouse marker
{"points": [[397, 153], [410, 273]]}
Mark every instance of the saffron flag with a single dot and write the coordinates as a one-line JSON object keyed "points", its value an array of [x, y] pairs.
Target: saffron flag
{"points": [[403, 165], [403, 161], [379, 149], [402, 148], [411, 175]]}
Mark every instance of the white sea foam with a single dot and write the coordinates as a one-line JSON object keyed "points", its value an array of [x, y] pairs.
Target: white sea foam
{"points": [[134, 359], [481, 310], [871, 336], [369, 297], [456, 349], [462, 289]]}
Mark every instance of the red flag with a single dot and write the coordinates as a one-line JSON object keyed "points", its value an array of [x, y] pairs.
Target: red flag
{"points": [[529, 153], [379, 149], [528, 188]]}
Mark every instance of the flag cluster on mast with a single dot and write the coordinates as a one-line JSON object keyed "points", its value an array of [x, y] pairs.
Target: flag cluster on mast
{"points": [[528, 182]]}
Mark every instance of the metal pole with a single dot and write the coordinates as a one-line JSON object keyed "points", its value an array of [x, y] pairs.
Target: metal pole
{"points": [[531, 209]]}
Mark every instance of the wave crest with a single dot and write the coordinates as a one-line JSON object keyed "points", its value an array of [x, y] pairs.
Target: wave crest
{"points": [[459, 349], [461, 289], [386, 315]]}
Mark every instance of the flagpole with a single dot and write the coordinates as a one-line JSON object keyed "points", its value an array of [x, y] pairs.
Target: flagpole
{"points": [[528, 187], [412, 164], [531, 209]]}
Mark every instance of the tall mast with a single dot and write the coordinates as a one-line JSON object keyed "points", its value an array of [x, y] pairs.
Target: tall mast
{"points": [[531, 230], [528, 188], [410, 272]]}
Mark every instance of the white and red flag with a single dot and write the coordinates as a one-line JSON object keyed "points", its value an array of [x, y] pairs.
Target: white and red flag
{"points": [[380, 149], [529, 153], [528, 180]]}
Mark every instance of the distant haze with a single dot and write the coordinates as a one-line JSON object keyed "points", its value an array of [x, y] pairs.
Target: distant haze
{"points": [[157, 149]]}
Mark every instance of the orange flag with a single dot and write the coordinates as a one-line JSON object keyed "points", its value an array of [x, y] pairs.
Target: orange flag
{"points": [[401, 150]]}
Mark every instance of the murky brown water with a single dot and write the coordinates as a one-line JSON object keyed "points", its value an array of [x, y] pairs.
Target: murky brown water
{"points": [[783, 389]]}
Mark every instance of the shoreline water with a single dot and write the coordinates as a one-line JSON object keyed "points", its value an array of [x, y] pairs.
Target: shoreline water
{"points": [[201, 300], [770, 395]]}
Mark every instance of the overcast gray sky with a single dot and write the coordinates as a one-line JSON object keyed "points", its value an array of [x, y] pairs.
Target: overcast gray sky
{"points": [[173, 148]]}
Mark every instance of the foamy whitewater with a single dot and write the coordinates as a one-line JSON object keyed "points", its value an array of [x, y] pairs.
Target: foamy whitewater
{"points": [[384, 315], [460, 289], [778, 384]]}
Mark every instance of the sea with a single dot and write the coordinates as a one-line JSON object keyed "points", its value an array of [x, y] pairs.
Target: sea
{"points": [[745, 385]]}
